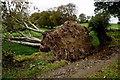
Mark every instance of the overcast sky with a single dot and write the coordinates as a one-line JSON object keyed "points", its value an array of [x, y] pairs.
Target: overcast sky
{"points": [[83, 6]]}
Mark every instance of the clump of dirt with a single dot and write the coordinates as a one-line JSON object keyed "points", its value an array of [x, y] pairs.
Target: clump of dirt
{"points": [[70, 41]]}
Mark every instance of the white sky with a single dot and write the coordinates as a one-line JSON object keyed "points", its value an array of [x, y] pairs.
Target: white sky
{"points": [[83, 6]]}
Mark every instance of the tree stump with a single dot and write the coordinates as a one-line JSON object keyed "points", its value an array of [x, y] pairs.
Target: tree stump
{"points": [[69, 41]]}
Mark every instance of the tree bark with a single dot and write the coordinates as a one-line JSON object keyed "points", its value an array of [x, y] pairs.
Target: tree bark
{"points": [[103, 38], [26, 43], [119, 20], [36, 30], [26, 38]]}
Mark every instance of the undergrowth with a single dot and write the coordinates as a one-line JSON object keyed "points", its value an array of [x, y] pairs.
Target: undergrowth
{"points": [[31, 65]]}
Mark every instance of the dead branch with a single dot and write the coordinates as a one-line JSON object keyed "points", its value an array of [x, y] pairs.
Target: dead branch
{"points": [[29, 28], [26, 43], [27, 38], [33, 25]]}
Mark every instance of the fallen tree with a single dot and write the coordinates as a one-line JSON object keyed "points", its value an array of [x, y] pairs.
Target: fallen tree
{"points": [[25, 40], [69, 41]]}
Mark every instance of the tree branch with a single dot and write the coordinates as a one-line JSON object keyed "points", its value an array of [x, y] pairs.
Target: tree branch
{"points": [[36, 30], [27, 38], [29, 28], [33, 25], [30, 38], [25, 43]]}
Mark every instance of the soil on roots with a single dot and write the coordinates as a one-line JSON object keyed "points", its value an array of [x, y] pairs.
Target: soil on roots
{"points": [[70, 41]]}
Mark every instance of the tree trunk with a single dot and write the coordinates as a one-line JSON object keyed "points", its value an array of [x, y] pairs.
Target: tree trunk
{"points": [[26, 43], [103, 38], [119, 20]]}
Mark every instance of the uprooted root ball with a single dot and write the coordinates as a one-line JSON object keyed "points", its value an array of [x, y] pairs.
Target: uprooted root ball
{"points": [[70, 41]]}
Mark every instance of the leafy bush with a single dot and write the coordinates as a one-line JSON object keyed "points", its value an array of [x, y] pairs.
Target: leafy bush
{"points": [[98, 24]]}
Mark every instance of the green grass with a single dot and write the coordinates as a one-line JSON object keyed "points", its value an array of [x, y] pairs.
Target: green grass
{"points": [[45, 29], [30, 73], [32, 33], [32, 65], [84, 24], [114, 26], [115, 36], [95, 40], [18, 49], [110, 71], [116, 33], [111, 26]]}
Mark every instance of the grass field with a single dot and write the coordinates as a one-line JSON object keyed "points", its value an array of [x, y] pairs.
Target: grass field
{"points": [[114, 26], [111, 26], [84, 24], [115, 38], [18, 49]]}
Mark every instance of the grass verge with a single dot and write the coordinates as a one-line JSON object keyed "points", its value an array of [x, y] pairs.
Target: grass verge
{"points": [[110, 71]]}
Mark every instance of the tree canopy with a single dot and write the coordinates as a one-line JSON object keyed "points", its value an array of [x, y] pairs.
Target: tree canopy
{"points": [[82, 17], [55, 16], [111, 7]]}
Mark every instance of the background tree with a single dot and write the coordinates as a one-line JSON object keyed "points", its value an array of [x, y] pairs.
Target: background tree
{"points": [[55, 16], [34, 18], [44, 19], [88, 18], [98, 24], [68, 12], [82, 17], [112, 8]]}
